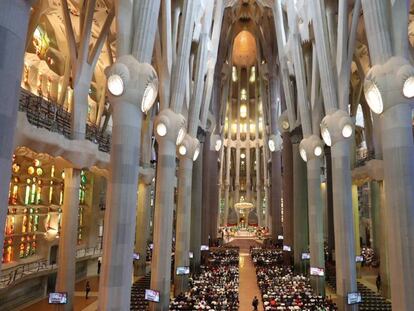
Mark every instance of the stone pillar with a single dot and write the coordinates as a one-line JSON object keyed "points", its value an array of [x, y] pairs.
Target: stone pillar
{"points": [[248, 172], [316, 242], [311, 148], [248, 155], [259, 209], [14, 17], [227, 182], [238, 141], [276, 194], [115, 281], [213, 190], [164, 204], [287, 159], [143, 220], [206, 192], [398, 150], [267, 222], [355, 210], [276, 157], [329, 204], [220, 187], [344, 224], [300, 206], [196, 205], [237, 181], [183, 212], [66, 274], [180, 68], [393, 103]]}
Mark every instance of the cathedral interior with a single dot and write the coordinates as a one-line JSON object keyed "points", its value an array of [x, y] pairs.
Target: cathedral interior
{"points": [[207, 154]]}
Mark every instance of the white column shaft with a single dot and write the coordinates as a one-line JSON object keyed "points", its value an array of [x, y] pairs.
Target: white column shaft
{"points": [[183, 224], [343, 223], [163, 223], [120, 214], [196, 205], [68, 237], [316, 224]]}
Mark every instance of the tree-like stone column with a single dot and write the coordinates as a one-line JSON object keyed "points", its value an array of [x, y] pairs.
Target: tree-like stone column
{"points": [[196, 206], [135, 78], [389, 92], [168, 126], [343, 214], [188, 152], [312, 145], [14, 17], [300, 205], [68, 237], [287, 163]]}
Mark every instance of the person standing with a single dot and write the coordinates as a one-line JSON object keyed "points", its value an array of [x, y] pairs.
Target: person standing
{"points": [[378, 282], [87, 289], [99, 266], [255, 303]]}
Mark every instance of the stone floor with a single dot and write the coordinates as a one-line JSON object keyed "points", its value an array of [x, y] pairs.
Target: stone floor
{"points": [[80, 302]]}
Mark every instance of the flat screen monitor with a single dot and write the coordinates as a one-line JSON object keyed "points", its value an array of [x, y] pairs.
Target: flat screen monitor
{"points": [[286, 248], [204, 248], [135, 256], [317, 271], [354, 298], [152, 295], [359, 259], [280, 237], [151, 246], [58, 298], [305, 256], [190, 255], [183, 270]]}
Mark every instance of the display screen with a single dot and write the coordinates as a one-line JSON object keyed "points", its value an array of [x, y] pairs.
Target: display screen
{"points": [[183, 270], [305, 256], [152, 295], [359, 259], [151, 246], [135, 256], [280, 237], [286, 248], [204, 248], [190, 255], [317, 271], [58, 298], [354, 298]]}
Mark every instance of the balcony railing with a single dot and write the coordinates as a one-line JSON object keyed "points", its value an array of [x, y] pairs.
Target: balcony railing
{"points": [[45, 114], [363, 156], [10, 276], [102, 140]]}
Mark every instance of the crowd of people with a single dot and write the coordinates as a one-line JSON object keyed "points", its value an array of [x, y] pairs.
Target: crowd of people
{"points": [[369, 256], [280, 288], [217, 285]]}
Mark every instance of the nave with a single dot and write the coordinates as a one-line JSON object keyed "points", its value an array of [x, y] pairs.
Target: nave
{"points": [[141, 139]]}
